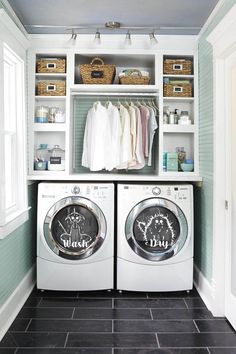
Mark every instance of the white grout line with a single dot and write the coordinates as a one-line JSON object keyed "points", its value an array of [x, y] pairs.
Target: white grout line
{"points": [[151, 314], [67, 335], [73, 312], [196, 326], [28, 324], [112, 326], [158, 344], [186, 304]]}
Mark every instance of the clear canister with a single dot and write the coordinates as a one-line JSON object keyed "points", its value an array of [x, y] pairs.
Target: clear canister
{"points": [[56, 159], [41, 114]]}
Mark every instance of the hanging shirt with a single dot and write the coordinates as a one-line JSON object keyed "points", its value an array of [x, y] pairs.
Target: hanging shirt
{"points": [[115, 133], [97, 139], [133, 132], [125, 143], [152, 126], [144, 111], [140, 160]]}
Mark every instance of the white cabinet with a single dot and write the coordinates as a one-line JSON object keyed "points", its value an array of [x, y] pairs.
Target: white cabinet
{"points": [[69, 135]]}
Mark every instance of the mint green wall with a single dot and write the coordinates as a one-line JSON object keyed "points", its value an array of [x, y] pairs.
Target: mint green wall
{"points": [[204, 195], [17, 251]]}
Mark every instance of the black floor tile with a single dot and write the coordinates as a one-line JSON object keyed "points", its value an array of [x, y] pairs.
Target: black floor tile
{"points": [[32, 302], [31, 312], [174, 294], [223, 351], [155, 326], [197, 340], [7, 350], [162, 351], [150, 303], [30, 339], [214, 326], [64, 351], [181, 314], [70, 326], [113, 293], [136, 340], [195, 303], [71, 302], [20, 324], [142, 314], [53, 293]]}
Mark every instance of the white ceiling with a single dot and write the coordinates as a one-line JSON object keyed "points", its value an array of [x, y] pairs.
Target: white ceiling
{"points": [[171, 16]]}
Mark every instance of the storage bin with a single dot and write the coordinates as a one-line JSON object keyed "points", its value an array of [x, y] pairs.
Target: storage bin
{"points": [[178, 90], [51, 65], [133, 77], [99, 73], [178, 67], [51, 88]]}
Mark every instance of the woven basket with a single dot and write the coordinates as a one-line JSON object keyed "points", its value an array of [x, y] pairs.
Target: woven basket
{"points": [[51, 65], [134, 78], [97, 73], [178, 90], [51, 88], [178, 67]]}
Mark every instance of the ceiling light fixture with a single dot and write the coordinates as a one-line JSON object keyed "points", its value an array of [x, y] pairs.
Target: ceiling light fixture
{"points": [[128, 41], [153, 39], [97, 38]]}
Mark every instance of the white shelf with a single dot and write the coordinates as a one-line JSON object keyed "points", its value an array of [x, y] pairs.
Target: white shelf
{"points": [[167, 176], [186, 99], [49, 127], [49, 75], [50, 98], [179, 76], [178, 128], [90, 89]]}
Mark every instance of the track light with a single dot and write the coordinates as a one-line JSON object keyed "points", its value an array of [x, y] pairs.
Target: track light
{"points": [[153, 39], [128, 41], [97, 38], [72, 39]]}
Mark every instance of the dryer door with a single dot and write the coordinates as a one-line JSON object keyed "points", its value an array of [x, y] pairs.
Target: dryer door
{"points": [[75, 228], [156, 229]]}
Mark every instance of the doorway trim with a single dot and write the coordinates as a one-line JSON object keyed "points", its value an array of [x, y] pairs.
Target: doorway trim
{"points": [[223, 42]]}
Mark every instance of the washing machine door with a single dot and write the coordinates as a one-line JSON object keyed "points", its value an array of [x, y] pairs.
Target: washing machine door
{"points": [[156, 229], [74, 228]]}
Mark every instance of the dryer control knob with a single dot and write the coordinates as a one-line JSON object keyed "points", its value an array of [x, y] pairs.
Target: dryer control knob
{"points": [[75, 190], [156, 190]]}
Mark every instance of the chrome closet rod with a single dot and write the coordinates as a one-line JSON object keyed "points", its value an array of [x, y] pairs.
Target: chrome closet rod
{"points": [[114, 94]]}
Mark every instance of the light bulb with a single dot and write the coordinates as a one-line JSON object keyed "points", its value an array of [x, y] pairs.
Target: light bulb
{"points": [[128, 41], [153, 39], [97, 38]]}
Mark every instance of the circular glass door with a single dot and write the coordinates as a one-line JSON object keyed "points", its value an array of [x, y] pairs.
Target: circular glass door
{"points": [[156, 229], [75, 228]]}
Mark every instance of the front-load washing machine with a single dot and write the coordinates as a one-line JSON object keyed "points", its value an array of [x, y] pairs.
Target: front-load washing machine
{"points": [[75, 236], [155, 237]]}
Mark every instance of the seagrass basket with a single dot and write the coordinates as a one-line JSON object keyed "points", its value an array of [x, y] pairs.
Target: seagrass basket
{"points": [[51, 65], [97, 72], [178, 67], [51, 88], [178, 90], [135, 78]]}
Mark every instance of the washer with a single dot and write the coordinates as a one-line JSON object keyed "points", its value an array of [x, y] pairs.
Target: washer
{"points": [[155, 237], [75, 236]]}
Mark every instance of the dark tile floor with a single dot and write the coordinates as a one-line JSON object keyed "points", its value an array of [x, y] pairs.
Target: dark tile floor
{"points": [[112, 323]]}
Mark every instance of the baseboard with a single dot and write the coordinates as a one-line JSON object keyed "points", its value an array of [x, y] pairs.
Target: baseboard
{"points": [[10, 309], [204, 287]]}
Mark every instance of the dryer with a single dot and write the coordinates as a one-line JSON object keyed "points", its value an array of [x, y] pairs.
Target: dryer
{"points": [[155, 237], [75, 236]]}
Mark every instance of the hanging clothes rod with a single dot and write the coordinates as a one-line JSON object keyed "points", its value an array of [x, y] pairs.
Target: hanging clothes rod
{"points": [[125, 94]]}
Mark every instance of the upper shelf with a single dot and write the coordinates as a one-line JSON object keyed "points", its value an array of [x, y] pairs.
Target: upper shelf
{"points": [[83, 88]]}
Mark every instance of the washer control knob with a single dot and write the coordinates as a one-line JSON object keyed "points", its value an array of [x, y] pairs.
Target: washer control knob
{"points": [[156, 190], [75, 190]]}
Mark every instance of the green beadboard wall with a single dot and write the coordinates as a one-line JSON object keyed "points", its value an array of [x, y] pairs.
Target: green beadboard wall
{"points": [[204, 196], [17, 250]]}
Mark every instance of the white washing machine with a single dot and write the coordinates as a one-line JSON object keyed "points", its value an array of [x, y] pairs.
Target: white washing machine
{"points": [[75, 236], [155, 237]]}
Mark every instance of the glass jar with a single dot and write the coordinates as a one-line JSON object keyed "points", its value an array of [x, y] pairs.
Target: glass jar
{"points": [[184, 118], [41, 157], [51, 114], [172, 118], [60, 116], [181, 156], [56, 159], [41, 114]]}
